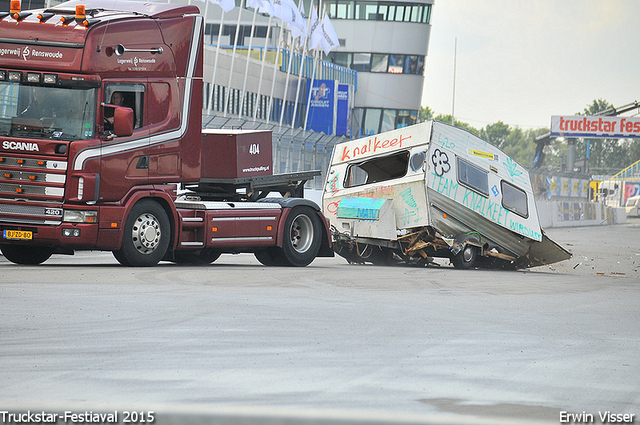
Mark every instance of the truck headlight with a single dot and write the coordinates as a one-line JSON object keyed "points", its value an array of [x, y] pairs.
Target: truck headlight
{"points": [[79, 216]]}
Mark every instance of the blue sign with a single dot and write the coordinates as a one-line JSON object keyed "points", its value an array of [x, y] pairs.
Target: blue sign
{"points": [[322, 106], [343, 110]]}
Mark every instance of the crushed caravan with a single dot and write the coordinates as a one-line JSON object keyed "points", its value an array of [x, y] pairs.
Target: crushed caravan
{"points": [[433, 190]]}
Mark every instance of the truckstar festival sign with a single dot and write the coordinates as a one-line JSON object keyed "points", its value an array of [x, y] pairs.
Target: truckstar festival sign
{"points": [[595, 127]]}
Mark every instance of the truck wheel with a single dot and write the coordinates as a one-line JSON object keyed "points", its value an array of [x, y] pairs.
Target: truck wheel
{"points": [[302, 236], [271, 257], [466, 258], [197, 258], [25, 254], [146, 235]]}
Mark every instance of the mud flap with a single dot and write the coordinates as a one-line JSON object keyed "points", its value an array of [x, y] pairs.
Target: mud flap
{"points": [[542, 253]]}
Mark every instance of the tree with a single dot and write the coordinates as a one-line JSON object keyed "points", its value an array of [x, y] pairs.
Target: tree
{"points": [[496, 134], [606, 156], [425, 114], [520, 145]]}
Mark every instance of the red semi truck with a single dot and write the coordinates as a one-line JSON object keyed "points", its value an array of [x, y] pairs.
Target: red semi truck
{"points": [[101, 126]]}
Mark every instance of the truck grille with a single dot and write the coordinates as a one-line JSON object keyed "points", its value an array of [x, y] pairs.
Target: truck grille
{"points": [[31, 190], [30, 214], [32, 178]]}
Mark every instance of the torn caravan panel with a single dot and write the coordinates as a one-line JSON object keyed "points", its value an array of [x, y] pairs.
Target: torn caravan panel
{"points": [[444, 192]]}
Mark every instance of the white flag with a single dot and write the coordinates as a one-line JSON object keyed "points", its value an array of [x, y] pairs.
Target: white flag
{"points": [[226, 5], [267, 7], [323, 35], [255, 4], [278, 10], [329, 37], [315, 32], [297, 24]]}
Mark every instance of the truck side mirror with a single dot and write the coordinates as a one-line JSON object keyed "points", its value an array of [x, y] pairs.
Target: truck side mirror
{"points": [[122, 121]]}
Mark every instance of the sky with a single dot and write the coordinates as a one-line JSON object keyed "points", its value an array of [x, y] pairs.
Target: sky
{"points": [[520, 62]]}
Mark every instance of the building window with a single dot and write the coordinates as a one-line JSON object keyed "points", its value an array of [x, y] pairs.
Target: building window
{"points": [[345, 10], [361, 62], [372, 121], [369, 121], [381, 63], [406, 118], [388, 120], [379, 11], [340, 58], [396, 64], [414, 65]]}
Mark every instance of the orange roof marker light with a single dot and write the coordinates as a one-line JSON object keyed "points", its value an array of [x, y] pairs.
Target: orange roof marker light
{"points": [[16, 11], [15, 6], [81, 14], [66, 20], [44, 17], [80, 18]]}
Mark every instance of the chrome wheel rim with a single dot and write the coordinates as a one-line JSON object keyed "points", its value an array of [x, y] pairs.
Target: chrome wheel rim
{"points": [[301, 233], [146, 233], [467, 254]]}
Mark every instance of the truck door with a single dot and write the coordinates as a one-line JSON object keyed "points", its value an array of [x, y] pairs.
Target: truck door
{"points": [[125, 160]]}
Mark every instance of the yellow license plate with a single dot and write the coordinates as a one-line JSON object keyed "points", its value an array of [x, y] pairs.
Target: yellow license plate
{"points": [[17, 234]]}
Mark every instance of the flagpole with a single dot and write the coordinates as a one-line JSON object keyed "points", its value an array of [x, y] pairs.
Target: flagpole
{"points": [[233, 58], [302, 61], [313, 77], [286, 84], [246, 69], [215, 63], [264, 59], [275, 69]]}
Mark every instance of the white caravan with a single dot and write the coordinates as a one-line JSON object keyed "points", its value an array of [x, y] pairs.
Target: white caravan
{"points": [[433, 190]]}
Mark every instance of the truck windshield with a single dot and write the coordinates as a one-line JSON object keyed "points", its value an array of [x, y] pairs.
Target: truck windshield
{"points": [[47, 112]]}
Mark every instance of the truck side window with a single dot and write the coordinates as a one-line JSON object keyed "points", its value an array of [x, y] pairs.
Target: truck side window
{"points": [[129, 95], [378, 169], [514, 199], [473, 177]]}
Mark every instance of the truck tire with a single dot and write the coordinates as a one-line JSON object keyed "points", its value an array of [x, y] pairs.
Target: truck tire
{"points": [[26, 254], [146, 235], [197, 258], [271, 257], [466, 258], [302, 236]]}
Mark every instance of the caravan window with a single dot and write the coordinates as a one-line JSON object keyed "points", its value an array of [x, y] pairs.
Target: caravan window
{"points": [[378, 169], [514, 199], [473, 177]]}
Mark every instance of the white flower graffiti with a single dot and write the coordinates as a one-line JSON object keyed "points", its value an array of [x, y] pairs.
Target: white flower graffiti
{"points": [[440, 162]]}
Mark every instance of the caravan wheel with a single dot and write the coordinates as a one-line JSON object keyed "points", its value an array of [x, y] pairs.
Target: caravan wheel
{"points": [[466, 258]]}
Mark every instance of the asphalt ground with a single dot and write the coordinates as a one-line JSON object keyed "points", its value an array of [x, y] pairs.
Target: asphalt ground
{"points": [[329, 343]]}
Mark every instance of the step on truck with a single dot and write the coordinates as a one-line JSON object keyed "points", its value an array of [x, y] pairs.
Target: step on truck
{"points": [[102, 147], [433, 190]]}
